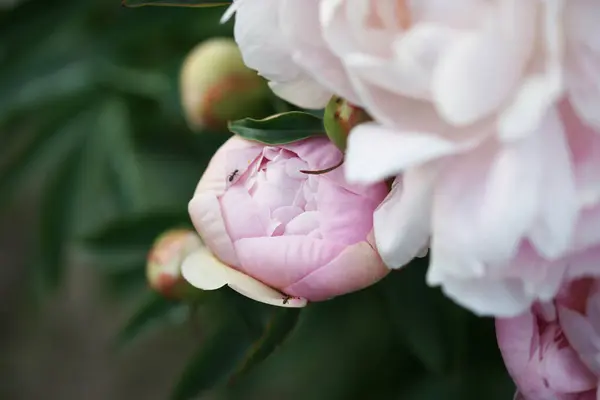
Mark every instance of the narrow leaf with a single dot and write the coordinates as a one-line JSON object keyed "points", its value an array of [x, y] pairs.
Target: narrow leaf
{"points": [[137, 230], [409, 299], [214, 362], [279, 129], [56, 213], [277, 330], [154, 312]]}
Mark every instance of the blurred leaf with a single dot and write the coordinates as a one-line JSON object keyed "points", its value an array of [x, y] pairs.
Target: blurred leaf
{"points": [[115, 127], [176, 3], [337, 348], [55, 219], [37, 145], [277, 330], [154, 312], [216, 360], [422, 316], [137, 230], [279, 129]]}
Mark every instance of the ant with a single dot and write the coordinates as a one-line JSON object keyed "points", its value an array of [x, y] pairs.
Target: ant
{"points": [[286, 299], [232, 176]]}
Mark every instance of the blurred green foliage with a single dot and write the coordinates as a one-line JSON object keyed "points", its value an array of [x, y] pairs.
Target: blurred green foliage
{"points": [[90, 113]]}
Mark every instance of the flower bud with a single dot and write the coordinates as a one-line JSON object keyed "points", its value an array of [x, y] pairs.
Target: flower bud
{"points": [[340, 117], [217, 87], [163, 269]]}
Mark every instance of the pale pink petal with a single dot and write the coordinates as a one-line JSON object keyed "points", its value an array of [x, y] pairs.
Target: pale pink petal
{"points": [[558, 206], [345, 217], [402, 221], [585, 263], [206, 215], [512, 196], [582, 337], [225, 163], [243, 216], [544, 83], [376, 152], [304, 223], [281, 261], [489, 297], [583, 61], [309, 49], [319, 153], [475, 76], [302, 91], [541, 367], [584, 145], [356, 267]]}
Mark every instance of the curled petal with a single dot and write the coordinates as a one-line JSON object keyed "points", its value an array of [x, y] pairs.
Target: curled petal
{"points": [[402, 221]]}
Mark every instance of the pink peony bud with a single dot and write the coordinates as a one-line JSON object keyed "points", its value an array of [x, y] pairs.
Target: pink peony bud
{"points": [[217, 87], [340, 117], [163, 269], [305, 235], [552, 351]]}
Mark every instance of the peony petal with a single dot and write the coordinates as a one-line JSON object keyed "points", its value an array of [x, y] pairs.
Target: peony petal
{"points": [[544, 85], [244, 217], [256, 290], [558, 206], [280, 261], [356, 267], [516, 337], [223, 164], [310, 51], [376, 152], [585, 263], [206, 215], [319, 153], [582, 337], [584, 145], [402, 221], [344, 217], [474, 77], [501, 298], [511, 198], [302, 91], [203, 271], [583, 58]]}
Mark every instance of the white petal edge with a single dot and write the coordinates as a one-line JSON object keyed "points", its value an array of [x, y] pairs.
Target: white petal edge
{"points": [[402, 222], [376, 152], [203, 271]]}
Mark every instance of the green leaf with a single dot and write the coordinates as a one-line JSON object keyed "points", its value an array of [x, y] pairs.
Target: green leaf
{"points": [[277, 330], [422, 316], [216, 360], [114, 126], [337, 348], [137, 230], [279, 129], [153, 313], [57, 211], [175, 3], [35, 146]]}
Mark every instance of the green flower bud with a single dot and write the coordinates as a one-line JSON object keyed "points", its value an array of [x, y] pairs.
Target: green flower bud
{"points": [[163, 269], [340, 117], [217, 87]]}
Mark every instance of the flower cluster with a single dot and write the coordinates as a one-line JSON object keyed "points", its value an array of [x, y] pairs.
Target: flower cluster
{"points": [[469, 128], [485, 112]]}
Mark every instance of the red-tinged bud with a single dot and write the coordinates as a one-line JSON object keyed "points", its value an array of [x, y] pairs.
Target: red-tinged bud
{"points": [[163, 269], [216, 86]]}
